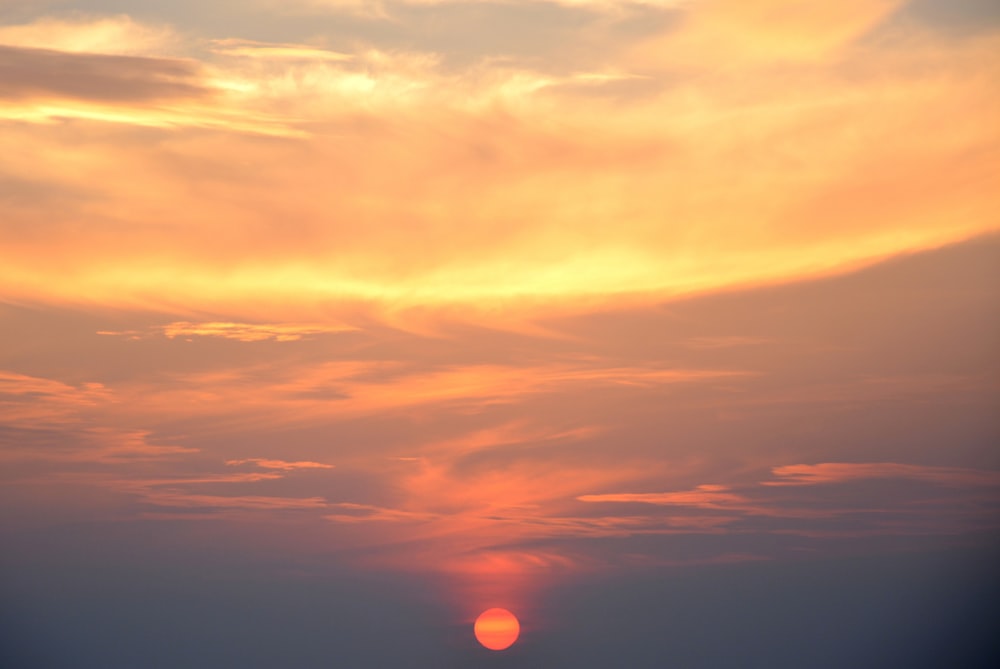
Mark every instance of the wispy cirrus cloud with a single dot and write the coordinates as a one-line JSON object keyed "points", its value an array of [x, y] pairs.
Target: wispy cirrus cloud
{"points": [[704, 496], [31, 400], [244, 48], [890, 508], [846, 472], [357, 388], [247, 332], [350, 512], [237, 502], [383, 9], [266, 463], [29, 74], [731, 33], [112, 35]]}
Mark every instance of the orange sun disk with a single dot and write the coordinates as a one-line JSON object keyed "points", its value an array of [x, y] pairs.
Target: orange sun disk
{"points": [[497, 629]]}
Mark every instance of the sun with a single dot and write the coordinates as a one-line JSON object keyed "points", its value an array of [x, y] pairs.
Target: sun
{"points": [[497, 629]]}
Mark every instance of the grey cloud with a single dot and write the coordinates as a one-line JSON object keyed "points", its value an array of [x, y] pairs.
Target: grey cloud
{"points": [[957, 16], [33, 73]]}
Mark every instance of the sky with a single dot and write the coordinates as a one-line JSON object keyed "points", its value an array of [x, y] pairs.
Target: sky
{"points": [[672, 326]]}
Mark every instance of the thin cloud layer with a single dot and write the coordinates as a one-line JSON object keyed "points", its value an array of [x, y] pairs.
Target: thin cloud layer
{"points": [[31, 74], [248, 332], [384, 9], [110, 35], [266, 463], [733, 34], [843, 472]]}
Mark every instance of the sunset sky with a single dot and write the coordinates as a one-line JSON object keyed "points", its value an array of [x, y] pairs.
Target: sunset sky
{"points": [[672, 326]]}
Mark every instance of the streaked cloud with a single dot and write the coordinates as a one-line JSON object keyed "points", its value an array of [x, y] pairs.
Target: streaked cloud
{"points": [[704, 496], [114, 35], [890, 508], [247, 332], [266, 463], [274, 51], [731, 33], [44, 74], [173, 499], [365, 513], [28, 399], [382, 9], [845, 472]]}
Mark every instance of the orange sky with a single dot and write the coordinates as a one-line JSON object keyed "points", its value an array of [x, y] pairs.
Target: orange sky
{"points": [[681, 283], [729, 149]]}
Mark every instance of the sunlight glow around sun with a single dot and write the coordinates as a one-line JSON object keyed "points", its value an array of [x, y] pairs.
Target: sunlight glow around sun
{"points": [[497, 629]]}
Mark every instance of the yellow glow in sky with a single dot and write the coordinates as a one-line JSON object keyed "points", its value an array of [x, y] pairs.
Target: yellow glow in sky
{"points": [[303, 176]]}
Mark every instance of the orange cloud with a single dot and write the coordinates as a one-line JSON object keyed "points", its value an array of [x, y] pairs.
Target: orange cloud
{"points": [[239, 331], [366, 513], [845, 472], [118, 35], [703, 185], [29, 400], [737, 33], [266, 463], [704, 497], [252, 49], [266, 397], [384, 10]]}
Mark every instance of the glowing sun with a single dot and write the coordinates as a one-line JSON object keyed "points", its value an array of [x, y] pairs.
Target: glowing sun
{"points": [[497, 629]]}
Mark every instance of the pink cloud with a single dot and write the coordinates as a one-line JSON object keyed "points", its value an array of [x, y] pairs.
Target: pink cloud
{"points": [[704, 497], [265, 463]]}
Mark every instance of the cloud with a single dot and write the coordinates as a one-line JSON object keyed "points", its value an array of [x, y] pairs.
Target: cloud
{"points": [[246, 332], [471, 150], [83, 447], [114, 35], [358, 388], [50, 422], [704, 497], [498, 461], [44, 74], [31, 401], [507, 434], [266, 463], [243, 502], [742, 33], [111, 70], [810, 507], [365, 513], [846, 472], [275, 51], [383, 9]]}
